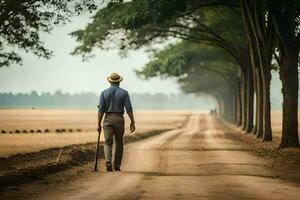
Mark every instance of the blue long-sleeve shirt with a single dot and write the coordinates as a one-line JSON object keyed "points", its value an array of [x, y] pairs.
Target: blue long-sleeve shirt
{"points": [[114, 99]]}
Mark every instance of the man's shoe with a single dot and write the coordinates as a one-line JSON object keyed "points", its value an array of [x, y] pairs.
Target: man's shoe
{"points": [[109, 167], [117, 169]]}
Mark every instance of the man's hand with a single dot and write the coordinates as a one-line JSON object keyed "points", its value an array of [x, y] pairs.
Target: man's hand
{"points": [[132, 127], [100, 116]]}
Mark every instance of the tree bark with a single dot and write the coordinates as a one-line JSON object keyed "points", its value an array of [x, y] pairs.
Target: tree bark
{"points": [[259, 102], [232, 104], [235, 103], [221, 107], [250, 99], [289, 78], [244, 101], [256, 105], [267, 129], [239, 106]]}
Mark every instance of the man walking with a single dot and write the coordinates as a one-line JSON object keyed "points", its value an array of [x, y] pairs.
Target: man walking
{"points": [[112, 103]]}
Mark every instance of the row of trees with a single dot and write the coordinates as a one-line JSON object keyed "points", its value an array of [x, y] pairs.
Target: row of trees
{"points": [[58, 99], [90, 100], [226, 48], [239, 43]]}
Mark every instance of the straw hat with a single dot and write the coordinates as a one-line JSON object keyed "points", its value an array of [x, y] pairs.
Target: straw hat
{"points": [[115, 78]]}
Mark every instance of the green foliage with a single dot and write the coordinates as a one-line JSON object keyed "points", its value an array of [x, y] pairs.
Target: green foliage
{"points": [[206, 82], [22, 21], [177, 60], [226, 24], [286, 19], [173, 61], [141, 22], [198, 68]]}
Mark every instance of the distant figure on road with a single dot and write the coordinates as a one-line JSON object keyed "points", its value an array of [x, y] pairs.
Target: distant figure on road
{"points": [[112, 103], [213, 111]]}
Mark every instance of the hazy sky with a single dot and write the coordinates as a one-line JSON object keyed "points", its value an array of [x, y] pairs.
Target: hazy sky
{"points": [[69, 74]]}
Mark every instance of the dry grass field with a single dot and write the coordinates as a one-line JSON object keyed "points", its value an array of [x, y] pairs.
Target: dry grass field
{"points": [[276, 118], [67, 127]]}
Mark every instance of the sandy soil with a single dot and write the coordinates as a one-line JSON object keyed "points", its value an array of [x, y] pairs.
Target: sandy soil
{"points": [[13, 120], [198, 161], [285, 162]]}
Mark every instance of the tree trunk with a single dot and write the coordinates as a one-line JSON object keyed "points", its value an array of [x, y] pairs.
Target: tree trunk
{"points": [[259, 102], [289, 78], [227, 109], [244, 101], [256, 105], [233, 107], [235, 103], [221, 107], [230, 105], [250, 96], [233, 100], [239, 106], [266, 80]]}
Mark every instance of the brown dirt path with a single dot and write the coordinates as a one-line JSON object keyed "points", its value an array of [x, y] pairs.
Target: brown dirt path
{"points": [[194, 162]]}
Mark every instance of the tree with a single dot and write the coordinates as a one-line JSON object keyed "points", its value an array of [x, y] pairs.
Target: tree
{"points": [[22, 21], [286, 19]]}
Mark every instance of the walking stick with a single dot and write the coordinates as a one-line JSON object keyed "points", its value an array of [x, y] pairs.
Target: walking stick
{"points": [[97, 150]]}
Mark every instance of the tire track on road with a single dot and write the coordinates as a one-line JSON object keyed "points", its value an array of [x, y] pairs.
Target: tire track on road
{"points": [[161, 148]]}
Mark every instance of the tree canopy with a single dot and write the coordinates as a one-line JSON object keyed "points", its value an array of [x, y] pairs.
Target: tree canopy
{"points": [[139, 23], [22, 21]]}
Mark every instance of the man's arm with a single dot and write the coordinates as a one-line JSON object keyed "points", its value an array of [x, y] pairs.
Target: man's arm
{"points": [[129, 112]]}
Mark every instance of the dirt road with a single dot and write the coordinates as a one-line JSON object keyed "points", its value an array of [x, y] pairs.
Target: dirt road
{"points": [[195, 162]]}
